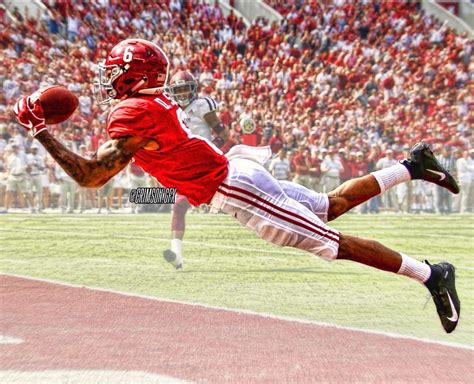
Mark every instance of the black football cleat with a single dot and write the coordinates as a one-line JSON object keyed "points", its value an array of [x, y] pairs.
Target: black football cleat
{"points": [[443, 290], [422, 164], [171, 258]]}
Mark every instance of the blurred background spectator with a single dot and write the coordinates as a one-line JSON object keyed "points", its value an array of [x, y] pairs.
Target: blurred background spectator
{"points": [[389, 200], [465, 170], [444, 199], [331, 169], [280, 166], [36, 166]]}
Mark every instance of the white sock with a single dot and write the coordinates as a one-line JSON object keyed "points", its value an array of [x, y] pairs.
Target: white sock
{"points": [[177, 248], [414, 269], [391, 176]]}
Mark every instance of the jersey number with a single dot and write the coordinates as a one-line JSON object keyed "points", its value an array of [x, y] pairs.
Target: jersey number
{"points": [[164, 103], [127, 54]]}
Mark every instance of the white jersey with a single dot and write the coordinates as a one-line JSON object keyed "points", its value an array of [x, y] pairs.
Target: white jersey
{"points": [[195, 112]]}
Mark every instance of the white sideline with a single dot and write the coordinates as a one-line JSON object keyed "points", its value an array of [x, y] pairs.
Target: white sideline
{"points": [[94, 376], [247, 312], [4, 339]]}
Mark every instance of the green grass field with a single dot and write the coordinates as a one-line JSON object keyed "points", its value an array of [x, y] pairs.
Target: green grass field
{"points": [[227, 265]]}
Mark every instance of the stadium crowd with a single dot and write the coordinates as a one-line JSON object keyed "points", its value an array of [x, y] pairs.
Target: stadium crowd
{"points": [[337, 89]]}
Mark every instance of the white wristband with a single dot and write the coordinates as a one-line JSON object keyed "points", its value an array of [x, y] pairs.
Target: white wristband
{"points": [[33, 132]]}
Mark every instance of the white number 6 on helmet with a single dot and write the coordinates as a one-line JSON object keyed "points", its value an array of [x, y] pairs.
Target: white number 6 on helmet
{"points": [[127, 54]]}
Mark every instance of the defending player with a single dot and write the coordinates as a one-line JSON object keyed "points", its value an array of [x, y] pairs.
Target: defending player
{"points": [[202, 120], [147, 125]]}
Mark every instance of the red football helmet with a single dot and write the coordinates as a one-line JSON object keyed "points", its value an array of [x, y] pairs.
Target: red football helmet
{"points": [[183, 88], [132, 66]]}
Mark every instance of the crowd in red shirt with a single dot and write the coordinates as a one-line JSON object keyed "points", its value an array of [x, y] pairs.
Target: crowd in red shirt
{"points": [[353, 75]]}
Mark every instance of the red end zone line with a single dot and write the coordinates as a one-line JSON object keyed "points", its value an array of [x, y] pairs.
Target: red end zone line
{"points": [[65, 327]]}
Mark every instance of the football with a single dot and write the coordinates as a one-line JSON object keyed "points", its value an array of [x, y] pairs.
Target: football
{"points": [[58, 103]]}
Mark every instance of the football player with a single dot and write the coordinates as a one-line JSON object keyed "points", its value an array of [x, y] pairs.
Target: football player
{"points": [[148, 126], [203, 121]]}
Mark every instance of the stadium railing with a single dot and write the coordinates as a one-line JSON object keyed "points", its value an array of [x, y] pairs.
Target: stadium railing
{"points": [[432, 8], [253, 9], [226, 8], [31, 8], [466, 12]]}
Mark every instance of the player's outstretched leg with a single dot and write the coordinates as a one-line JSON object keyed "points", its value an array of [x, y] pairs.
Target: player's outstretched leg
{"points": [[421, 165], [174, 255], [258, 201], [438, 278]]}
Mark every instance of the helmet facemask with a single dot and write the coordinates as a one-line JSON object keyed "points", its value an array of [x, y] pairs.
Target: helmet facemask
{"points": [[103, 88], [183, 92]]}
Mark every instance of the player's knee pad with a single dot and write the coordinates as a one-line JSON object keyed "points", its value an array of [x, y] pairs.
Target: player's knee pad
{"points": [[321, 249], [276, 235]]}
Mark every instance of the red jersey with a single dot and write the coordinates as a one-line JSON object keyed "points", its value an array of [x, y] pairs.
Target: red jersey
{"points": [[359, 168], [299, 161], [186, 162]]}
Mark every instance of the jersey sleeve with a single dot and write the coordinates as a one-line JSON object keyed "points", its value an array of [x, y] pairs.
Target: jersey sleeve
{"points": [[206, 105], [129, 120]]}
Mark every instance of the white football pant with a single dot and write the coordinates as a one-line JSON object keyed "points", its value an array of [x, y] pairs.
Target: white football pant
{"points": [[281, 212]]}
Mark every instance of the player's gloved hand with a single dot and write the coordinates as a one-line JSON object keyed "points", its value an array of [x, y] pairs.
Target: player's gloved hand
{"points": [[29, 113]]}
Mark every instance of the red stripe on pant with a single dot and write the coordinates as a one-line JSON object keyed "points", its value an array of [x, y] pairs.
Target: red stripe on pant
{"points": [[268, 210], [254, 196]]}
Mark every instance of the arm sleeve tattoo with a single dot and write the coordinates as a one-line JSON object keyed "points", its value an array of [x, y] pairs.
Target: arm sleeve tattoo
{"points": [[110, 159]]}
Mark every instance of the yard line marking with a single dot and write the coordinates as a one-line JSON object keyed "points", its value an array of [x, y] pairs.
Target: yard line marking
{"points": [[190, 260], [246, 312], [4, 339], [289, 252], [130, 237]]}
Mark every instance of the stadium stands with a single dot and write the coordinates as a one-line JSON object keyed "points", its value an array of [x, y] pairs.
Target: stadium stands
{"points": [[359, 78]]}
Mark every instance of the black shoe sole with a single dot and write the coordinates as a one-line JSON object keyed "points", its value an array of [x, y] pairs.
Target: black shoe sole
{"points": [[430, 169], [169, 256]]}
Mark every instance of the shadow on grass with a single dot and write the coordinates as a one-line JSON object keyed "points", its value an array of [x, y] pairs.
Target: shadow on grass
{"points": [[308, 270]]}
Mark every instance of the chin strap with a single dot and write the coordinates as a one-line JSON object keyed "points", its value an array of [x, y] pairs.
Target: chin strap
{"points": [[152, 91], [131, 91]]}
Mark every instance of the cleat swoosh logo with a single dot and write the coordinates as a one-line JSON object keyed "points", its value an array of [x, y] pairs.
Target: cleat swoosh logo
{"points": [[454, 317], [440, 174]]}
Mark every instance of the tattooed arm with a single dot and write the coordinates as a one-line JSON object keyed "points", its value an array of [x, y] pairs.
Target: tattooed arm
{"points": [[111, 158]]}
